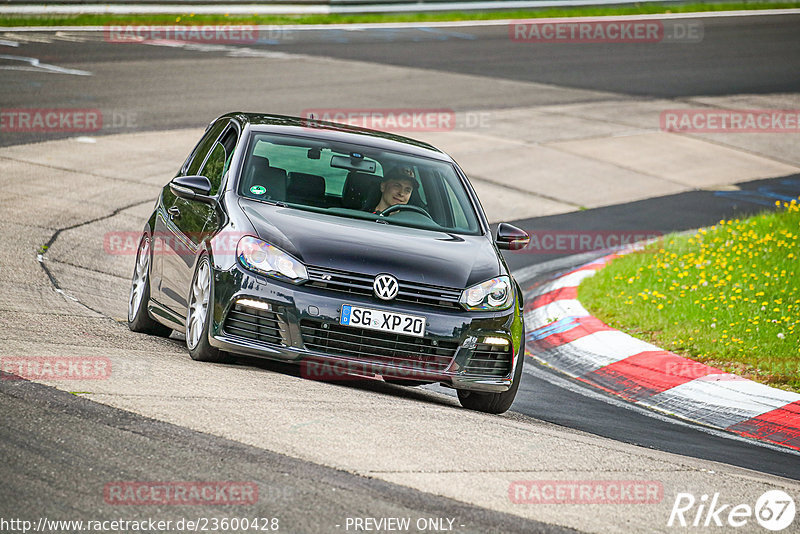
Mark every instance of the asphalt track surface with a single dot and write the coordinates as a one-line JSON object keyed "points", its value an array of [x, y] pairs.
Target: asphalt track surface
{"points": [[171, 88], [54, 476], [752, 55], [738, 55]]}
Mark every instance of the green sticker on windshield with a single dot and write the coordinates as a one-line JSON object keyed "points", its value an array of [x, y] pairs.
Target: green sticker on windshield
{"points": [[258, 190]]}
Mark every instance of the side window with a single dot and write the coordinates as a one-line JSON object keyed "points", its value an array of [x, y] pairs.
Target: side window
{"points": [[215, 167], [229, 140], [204, 146]]}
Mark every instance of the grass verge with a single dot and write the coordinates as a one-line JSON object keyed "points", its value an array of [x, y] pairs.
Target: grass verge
{"points": [[727, 296], [189, 18]]}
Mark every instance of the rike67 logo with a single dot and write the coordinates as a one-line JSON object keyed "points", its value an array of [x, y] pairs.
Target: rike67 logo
{"points": [[774, 510]]}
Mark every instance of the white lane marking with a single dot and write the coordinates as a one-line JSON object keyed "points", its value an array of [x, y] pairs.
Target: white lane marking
{"points": [[721, 400], [572, 279], [3, 42], [613, 345], [29, 38], [544, 315], [441, 24], [773, 397], [231, 51], [473, 6], [64, 36], [595, 351], [36, 65], [505, 22], [569, 385]]}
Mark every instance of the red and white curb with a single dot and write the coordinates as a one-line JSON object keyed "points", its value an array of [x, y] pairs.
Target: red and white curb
{"points": [[563, 335]]}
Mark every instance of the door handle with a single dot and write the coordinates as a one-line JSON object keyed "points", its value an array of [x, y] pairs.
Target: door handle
{"points": [[174, 212]]}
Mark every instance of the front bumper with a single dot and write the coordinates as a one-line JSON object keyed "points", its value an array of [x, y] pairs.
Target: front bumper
{"points": [[262, 317]]}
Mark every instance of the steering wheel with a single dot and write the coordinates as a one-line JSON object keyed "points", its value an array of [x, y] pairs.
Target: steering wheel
{"points": [[401, 207]]}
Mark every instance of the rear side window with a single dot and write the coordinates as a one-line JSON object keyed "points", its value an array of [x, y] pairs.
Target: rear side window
{"points": [[204, 147], [219, 159], [215, 166]]}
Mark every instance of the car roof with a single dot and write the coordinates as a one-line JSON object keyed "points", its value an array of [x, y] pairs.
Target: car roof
{"points": [[305, 127]]}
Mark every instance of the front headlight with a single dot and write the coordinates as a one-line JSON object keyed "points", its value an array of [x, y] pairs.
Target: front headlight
{"points": [[263, 258], [492, 295]]}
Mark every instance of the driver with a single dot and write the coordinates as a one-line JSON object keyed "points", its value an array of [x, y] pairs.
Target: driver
{"points": [[396, 188]]}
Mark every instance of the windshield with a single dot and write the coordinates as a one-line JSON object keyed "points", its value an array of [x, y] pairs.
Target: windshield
{"points": [[356, 181]]}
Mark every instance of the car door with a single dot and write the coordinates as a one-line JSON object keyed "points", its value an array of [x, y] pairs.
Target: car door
{"points": [[161, 238], [187, 221]]}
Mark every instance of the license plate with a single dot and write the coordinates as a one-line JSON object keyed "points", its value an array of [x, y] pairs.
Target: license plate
{"points": [[385, 321]]}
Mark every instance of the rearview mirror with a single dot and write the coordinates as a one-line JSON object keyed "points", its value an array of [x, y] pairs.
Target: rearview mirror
{"points": [[353, 163], [192, 188], [511, 238]]}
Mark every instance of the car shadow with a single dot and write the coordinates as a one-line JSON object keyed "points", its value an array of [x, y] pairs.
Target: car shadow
{"points": [[351, 381]]}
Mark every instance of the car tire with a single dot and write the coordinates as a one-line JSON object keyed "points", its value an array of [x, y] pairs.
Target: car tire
{"points": [[199, 316], [495, 403], [138, 318]]}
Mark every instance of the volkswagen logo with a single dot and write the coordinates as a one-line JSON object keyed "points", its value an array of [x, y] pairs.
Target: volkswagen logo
{"points": [[385, 286]]}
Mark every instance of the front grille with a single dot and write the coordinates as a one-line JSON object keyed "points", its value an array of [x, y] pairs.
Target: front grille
{"points": [[490, 360], [377, 347], [361, 284], [253, 323]]}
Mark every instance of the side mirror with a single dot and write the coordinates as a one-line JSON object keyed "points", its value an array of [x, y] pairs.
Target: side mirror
{"points": [[511, 238], [192, 188]]}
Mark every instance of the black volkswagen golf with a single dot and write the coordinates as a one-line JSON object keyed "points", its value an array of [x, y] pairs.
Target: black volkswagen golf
{"points": [[340, 248]]}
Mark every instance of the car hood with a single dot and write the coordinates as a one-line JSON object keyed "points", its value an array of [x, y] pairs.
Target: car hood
{"points": [[367, 247]]}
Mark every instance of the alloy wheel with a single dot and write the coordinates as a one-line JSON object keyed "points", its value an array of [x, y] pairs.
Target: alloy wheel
{"points": [[198, 305], [139, 281]]}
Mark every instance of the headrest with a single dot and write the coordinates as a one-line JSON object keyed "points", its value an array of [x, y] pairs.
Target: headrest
{"points": [[304, 184], [260, 161]]}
